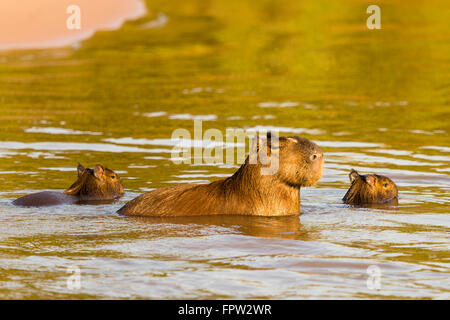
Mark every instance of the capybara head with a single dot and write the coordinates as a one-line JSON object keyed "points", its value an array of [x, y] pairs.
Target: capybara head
{"points": [[99, 183], [300, 161], [370, 189]]}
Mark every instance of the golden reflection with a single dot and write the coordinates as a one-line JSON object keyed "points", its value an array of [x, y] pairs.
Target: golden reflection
{"points": [[266, 227]]}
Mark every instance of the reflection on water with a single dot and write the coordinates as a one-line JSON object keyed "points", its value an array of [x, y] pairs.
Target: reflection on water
{"points": [[283, 228], [374, 101], [75, 146], [50, 130]]}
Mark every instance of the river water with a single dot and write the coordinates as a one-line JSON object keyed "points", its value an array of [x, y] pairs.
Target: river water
{"points": [[374, 100]]}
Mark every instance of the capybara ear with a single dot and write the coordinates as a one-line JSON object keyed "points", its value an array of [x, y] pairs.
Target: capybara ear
{"points": [[271, 136], [256, 146], [99, 171], [370, 180], [353, 175], [272, 140], [80, 169], [253, 155]]}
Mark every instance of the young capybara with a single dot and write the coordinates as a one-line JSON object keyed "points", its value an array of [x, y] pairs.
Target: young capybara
{"points": [[92, 185], [370, 189], [248, 191]]}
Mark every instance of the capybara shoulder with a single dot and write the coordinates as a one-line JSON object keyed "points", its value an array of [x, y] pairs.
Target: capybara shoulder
{"points": [[249, 191], [94, 184], [370, 189]]}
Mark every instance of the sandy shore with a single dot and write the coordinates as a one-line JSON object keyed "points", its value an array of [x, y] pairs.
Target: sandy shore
{"points": [[43, 23]]}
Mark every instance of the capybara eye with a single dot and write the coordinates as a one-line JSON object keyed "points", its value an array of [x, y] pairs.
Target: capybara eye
{"points": [[385, 185], [113, 177]]}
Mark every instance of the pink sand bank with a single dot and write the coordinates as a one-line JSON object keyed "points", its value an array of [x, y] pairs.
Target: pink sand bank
{"points": [[43, 23]]}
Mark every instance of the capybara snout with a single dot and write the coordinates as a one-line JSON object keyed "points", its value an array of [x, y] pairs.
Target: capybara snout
{"points": [[301, 161]]}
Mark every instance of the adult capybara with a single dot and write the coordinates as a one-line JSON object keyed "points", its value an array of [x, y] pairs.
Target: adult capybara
{"points": [[92, 185], [249, 191], [370, 189]]}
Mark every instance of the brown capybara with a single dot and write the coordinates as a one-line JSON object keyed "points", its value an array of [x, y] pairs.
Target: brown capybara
{"points": [[248, 191], [92, 185], [370, 189]]}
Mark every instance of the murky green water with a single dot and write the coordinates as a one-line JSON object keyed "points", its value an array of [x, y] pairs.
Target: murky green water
{"points": [[377, 101]]}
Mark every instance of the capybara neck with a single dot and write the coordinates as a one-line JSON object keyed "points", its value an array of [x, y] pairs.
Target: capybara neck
{"points": [[265, 193], [249, 191], [370, 189]]}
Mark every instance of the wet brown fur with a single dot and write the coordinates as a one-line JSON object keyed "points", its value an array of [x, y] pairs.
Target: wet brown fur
{"points": [[247, 192], [96, 184], [92, 185], [370, 189]]}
